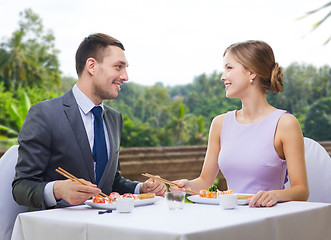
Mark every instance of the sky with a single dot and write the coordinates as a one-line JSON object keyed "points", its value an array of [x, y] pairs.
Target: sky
{"points": [[173, 41]]}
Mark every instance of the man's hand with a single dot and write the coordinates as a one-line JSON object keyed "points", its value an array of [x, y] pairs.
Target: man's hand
{"points": [[153, 186], [73, 192]]}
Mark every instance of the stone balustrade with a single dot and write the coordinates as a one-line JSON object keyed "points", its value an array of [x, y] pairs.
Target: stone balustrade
{"points": [[171, 163]]}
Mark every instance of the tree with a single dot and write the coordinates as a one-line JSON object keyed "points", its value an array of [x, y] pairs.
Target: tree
{"points": [[318, 121], [138, 135], [154, 99], [178, 124], [28, 57], [197, 131]]}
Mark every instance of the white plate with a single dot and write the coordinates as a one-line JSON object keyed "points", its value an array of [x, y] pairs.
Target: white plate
{"points": [[198, 199], [214, 201], [243, 201], [112, 206]]}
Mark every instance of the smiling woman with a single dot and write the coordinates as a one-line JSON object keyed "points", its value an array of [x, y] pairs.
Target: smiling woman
{"points": [[255, 145], [256, 60]]}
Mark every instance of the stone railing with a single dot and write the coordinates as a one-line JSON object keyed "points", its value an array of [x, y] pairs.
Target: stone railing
{"points": [[327, 146], [169, 162]]}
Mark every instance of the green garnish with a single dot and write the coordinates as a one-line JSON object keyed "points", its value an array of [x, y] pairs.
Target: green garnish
{"points": [[212, 188]]}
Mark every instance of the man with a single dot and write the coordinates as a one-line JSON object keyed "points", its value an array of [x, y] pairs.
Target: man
{"points": [[61, 132]]}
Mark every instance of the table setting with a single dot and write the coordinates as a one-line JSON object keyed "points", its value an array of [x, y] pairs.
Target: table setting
{"points": [[170, 217]]}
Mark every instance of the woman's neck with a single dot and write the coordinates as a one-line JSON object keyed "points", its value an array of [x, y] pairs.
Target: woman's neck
{"points": [[254, 109]]}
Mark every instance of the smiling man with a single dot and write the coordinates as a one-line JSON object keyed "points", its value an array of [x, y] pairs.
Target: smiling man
{"points": [[79, 134]]}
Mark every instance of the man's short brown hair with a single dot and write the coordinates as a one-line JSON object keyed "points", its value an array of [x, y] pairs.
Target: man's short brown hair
{"points": [[95, 46]]}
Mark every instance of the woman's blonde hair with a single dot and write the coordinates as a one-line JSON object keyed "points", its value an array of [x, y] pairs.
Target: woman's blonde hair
{"points": [[258, 57]]}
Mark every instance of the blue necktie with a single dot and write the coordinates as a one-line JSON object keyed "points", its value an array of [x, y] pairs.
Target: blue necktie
{"points": [[99, 148]]}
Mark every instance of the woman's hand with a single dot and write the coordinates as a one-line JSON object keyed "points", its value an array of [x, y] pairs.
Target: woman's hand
{"points": [[263, 199], [153, 186], [182, 185]]}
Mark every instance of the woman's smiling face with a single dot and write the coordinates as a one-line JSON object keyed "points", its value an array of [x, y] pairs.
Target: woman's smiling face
{"points": [[235, 77]]}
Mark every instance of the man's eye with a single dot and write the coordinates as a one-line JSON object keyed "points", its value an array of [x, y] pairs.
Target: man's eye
{"points": [[118, 67]]}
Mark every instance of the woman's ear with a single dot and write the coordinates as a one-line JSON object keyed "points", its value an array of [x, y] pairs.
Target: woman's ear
{"points": [[91, 65], [252, 75]]}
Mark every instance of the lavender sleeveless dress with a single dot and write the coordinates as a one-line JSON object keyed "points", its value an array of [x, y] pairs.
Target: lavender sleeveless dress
{"points": [[248, 159]]}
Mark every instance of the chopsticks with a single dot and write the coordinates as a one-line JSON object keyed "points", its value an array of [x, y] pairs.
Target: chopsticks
{"points": [[167, 182], [73, 178]]}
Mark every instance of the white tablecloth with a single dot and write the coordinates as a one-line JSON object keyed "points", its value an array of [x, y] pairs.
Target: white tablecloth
{"points": [[291, 220]]}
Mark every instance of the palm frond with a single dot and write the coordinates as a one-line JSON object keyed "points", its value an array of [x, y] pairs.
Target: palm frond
{"points": [[317, 24], [25, 104], [8, 130], [327, 41], [314, 11]]}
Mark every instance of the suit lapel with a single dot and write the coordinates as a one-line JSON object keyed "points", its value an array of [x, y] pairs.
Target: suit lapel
{"points": [[72, 112]]}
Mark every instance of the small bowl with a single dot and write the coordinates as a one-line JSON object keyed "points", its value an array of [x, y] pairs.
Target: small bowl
{"points": [[124, 205], [228, 201]]}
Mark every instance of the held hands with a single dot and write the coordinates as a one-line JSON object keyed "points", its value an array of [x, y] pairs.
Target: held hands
{"points": [[263, 199], [153, 186], [73, 192]]}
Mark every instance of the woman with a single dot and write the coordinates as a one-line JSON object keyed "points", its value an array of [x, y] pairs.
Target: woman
{"points": [[254, 146]]}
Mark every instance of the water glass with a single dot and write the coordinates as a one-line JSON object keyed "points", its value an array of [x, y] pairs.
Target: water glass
{"points": [[175, 200]]}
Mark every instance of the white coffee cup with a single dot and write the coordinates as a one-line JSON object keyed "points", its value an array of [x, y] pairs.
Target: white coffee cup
{"points": [[124, 205], [228, 201]]}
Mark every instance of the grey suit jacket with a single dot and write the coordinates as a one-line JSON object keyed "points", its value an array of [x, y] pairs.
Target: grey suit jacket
{"points": [[53, 135]]}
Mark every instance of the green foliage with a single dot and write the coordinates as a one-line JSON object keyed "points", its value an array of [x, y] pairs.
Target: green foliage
{"points": [[181, 115], [17, 111], [5, 96], [153, 115], [138, 135], [197, 132], [318, 121], [66, 84], [206, 96], [303, 86], [16, 108], [29, 57]]}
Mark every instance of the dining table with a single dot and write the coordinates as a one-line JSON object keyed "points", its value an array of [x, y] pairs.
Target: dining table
{"points": [[289, 220]]}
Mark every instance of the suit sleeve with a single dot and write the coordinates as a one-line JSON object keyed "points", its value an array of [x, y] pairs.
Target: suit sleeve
{"points": [[33, 158]]}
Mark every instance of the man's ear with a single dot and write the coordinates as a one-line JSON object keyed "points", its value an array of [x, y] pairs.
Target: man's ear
{"points": [[91, 65]]}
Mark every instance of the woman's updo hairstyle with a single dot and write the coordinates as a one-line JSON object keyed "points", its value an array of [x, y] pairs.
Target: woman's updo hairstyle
{"points": [[258, 57]]}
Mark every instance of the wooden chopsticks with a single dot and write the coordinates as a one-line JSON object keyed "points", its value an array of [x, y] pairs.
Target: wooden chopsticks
{"points": [[73, 178], [167, 182]]}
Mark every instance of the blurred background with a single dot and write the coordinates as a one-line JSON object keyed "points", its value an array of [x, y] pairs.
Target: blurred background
{"points": [[174, 49]]}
